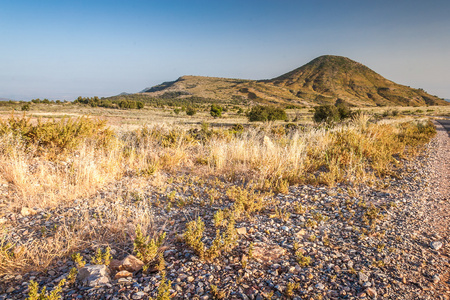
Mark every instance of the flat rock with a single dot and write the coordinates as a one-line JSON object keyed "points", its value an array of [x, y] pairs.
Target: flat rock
{"points": [[363, 277], [371, 292], [436, 245], [265, 253], [131, 264], [95, 275], [241, 231], [26, 211], [123, 274]]}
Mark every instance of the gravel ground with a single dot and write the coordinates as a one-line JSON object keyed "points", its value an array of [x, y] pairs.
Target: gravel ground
{"points": [[389, 242]]}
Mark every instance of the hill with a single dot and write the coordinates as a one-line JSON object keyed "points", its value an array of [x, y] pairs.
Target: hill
{"points": [[324, 80]]}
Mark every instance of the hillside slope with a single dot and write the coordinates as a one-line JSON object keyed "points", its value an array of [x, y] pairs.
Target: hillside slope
{"points": [[324, 80]]}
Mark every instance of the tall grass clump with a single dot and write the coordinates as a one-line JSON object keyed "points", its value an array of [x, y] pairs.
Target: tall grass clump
{"points": [[46, 162], [355, 152]]}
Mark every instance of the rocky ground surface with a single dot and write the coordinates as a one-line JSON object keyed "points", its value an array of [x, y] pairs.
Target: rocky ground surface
{"points": [[384, 242]]}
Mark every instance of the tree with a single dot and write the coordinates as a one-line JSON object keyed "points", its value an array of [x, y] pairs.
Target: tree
{"points": [[216, 111]]}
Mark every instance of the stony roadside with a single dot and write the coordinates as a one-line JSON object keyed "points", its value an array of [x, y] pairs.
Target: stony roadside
{"points": [[383, 242]]}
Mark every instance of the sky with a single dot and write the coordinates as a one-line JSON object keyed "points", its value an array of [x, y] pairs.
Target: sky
{"points": [[64, 49]]}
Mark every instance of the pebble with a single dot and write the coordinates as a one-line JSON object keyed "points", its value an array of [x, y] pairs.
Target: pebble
{"points": [[436, 245]]}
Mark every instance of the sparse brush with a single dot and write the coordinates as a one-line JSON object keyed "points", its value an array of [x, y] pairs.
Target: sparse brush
{"points": [[219, 218], [164, 288], [11, 257], [102, 258], [246, 201], [290, 288], [300, 209], [222, 242], [216, 293], [147, 249], [34, 294], [72, 275], [282, 213], [78, 259], [302, 260], [193, 236]]}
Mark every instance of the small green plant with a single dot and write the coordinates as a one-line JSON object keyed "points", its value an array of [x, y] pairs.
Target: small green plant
{"points": [[311, 223], [72, 275], [216, 111], [380, 247], [171, 196], [219, 218], [163, 288], [34, 294], [216, 293], [222, 242], [78, 259], [282, 214], [250, 250], [319, 217], [146, 249], [246, 201], [193, 236], [102, 258], [299, 209], [290, 287], [302, 260]]}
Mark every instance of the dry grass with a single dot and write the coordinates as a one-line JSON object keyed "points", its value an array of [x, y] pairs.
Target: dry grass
{"points": [[317, 155], [269, 156]]}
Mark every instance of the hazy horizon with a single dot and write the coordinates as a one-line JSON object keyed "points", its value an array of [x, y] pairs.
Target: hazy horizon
{"points": [[62, 50]]}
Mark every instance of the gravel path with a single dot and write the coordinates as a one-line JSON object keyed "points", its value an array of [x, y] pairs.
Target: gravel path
{"points": [[381, 242]]}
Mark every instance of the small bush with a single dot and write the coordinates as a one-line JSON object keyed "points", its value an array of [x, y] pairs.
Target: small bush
{"points": [[266, 113], [216, 111], [34, 294], [190, 111], [147, 249], [56, 137]]}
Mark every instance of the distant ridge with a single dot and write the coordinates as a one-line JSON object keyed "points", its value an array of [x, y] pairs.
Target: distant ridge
{"points": [[324, 80]]}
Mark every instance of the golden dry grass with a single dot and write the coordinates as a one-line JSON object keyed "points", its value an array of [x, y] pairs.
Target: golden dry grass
{"points": [[270, 156]]}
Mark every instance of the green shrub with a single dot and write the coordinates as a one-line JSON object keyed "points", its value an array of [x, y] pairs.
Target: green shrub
{"points": [[147, 249], [190, 111], [266, 113], [56, 137], [344, 111], [332, 113], [326, 113], [216, 111]]}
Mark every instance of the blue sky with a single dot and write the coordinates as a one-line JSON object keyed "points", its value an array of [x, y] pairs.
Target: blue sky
{"points": [[63, 49]]}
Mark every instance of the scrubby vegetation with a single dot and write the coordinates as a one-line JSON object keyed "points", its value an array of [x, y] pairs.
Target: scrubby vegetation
{"points": [[119, 103], [51, 163]]}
